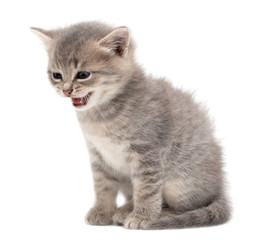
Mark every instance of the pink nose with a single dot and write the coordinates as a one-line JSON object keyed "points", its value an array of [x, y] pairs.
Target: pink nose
{"points": [[67, 93]]}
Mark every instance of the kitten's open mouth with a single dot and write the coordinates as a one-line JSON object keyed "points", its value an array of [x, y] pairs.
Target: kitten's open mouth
{"points": [[79, 102]]}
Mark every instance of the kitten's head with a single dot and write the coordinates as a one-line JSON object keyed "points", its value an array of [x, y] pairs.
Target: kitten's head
{"points": [[89, 62]]}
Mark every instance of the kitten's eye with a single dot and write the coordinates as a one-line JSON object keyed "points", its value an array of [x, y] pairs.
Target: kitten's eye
{"points": [[57, 76], [83, 75]]}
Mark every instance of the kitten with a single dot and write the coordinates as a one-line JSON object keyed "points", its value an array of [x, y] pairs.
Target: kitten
{"points": [[146, 139]]}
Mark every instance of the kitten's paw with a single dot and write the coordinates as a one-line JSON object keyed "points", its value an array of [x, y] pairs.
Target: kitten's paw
{"points": [[122, 212], [132, 223], [147, 224], [136, 222], [97, 216]]}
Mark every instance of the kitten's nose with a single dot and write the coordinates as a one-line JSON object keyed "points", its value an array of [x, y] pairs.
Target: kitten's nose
{"points": [[67, 93], [67, 89]]}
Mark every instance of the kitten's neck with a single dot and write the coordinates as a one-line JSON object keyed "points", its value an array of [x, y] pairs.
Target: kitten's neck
{"points": [[135, 83]]}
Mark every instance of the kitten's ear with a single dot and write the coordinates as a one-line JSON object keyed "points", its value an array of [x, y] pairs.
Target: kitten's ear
{"points": [[46, 36], [117, 41]]}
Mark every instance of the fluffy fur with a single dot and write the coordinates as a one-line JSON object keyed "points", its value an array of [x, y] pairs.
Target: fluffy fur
{"points": [[147, 139]]}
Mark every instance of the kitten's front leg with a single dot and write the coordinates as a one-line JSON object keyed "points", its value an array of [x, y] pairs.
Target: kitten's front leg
{"points": [[106, 190], [147, 175]]}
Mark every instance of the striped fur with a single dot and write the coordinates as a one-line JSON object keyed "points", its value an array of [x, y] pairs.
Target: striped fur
{"points": [[146, 139]]}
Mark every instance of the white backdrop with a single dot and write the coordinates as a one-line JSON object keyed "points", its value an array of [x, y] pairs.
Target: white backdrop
{"points": [[209, 47]]}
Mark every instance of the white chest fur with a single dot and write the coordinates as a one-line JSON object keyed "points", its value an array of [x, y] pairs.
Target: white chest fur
{"points": [[115, 155]]}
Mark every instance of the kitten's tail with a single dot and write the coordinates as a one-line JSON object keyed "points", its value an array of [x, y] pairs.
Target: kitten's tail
{"points": [[218, 212]]}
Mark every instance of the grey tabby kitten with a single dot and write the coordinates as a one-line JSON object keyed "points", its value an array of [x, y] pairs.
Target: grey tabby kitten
{"points": [[146, 139]]}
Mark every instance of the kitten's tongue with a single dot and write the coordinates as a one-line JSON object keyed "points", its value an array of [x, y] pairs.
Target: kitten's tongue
{"points": [[78, 102]]}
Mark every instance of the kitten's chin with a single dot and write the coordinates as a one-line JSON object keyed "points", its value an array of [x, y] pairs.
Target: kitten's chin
{"points": [[81, 109]]}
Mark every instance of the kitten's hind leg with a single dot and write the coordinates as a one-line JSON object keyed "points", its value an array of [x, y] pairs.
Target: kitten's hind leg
{"points": [[122, 212], [166, 212], [217, 212]]}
